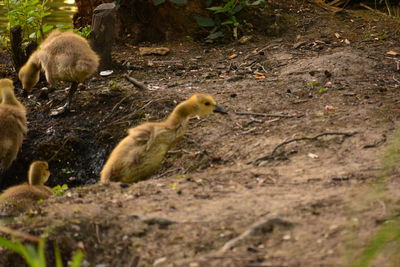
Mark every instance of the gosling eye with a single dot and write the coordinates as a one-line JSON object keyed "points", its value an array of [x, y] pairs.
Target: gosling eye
{"points": [[207, 103]]}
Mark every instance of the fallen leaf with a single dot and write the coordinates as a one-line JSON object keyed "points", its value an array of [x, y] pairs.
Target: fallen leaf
{"points": [[174, 186], [337, 35], [162, 51], [259, 74], [233, 56], [245, 39], [391, 53], [260, 77]]}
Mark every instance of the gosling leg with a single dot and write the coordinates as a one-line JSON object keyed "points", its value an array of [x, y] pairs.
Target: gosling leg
{"points": [[63, 109]]}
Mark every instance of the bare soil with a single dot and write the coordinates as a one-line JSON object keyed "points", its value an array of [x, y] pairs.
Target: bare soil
{"points": [[315, 197]]}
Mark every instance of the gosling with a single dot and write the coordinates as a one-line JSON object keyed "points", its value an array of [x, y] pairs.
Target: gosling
{"points": [[64, 56], [20, 198], [12, 124], [140, 154]]}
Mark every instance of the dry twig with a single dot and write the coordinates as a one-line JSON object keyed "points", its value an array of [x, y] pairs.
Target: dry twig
{"points": [[136, 82], [272, 154], [394, 78], [19, 234], [263, 227], [373, 10]]}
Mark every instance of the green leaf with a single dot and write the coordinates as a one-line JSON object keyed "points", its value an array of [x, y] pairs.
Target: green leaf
{"points": [[47, 28], [215, 35], [31, 19], [41, 252], [77, 259], [179, 2], [204, 21], [217, 9], [237, 9], [158, 2], [257, 2], [59, 190], [5, 243], [57, 255], [33, 35], [227, 22]]}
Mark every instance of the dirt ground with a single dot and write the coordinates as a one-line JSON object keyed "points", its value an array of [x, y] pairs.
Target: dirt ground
{"points": [[310, 203]]}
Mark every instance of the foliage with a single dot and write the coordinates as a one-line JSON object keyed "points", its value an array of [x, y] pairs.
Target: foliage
{"points": [[29, 15], [36, 257], [60, 189], [84, 31], [225, 16]]}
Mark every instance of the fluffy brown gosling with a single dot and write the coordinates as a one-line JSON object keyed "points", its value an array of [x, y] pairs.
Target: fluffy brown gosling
{"points": [[140, 154], [20, 198], [64, 56], [12, 124]]}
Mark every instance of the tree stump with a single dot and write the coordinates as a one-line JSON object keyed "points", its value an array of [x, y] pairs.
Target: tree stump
{"points": [[104, 32], [18, 55]]}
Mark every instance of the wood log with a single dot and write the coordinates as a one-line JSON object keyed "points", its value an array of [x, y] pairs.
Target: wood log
{"points": [[104, 33]]}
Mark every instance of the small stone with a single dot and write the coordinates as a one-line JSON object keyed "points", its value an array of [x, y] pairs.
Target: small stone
{"points": [[106, 73], [286, 237], [312, 155]]}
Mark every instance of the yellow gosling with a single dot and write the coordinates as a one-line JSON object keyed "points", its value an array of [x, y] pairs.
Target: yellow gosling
{"points": [[140, 154], [12, 124], [64, 56], [20, 198]]}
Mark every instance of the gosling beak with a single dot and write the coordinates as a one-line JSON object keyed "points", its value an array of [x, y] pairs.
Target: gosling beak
{"points": [[219, 109]]}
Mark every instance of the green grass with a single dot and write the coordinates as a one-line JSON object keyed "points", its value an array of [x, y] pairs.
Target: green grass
{"points": [[389, 232], [35, 256]]}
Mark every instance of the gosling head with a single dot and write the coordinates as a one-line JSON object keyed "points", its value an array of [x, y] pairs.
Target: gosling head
{"points": [[201, 105], [38, 173], [29, 76]]}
